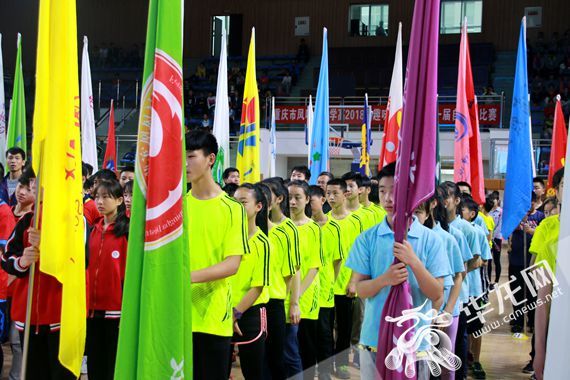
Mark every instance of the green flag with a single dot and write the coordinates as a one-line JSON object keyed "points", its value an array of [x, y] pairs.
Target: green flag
{"points": [[155, 336], [17, 118]]}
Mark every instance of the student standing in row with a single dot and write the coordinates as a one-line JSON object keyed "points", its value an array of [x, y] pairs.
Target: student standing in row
{"points": [[217, 239], [287, 229], [423, 264], [250, 284], [311, 262], [106, 271]]}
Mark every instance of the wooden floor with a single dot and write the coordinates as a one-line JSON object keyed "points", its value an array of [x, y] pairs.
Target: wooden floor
{"points": [[502, 356]]}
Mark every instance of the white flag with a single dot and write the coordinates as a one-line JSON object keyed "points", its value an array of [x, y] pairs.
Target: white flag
{"points": [[88, 139], [2, 113], [222, 115], [272, 141], [309, 128]]}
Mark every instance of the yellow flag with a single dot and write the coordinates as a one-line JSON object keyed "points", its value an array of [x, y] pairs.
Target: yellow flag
{"points": [[56, 143], [248, 142]]}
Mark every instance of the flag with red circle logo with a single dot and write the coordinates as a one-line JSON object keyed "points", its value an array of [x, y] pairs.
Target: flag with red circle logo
{"points": [[155, 335]]}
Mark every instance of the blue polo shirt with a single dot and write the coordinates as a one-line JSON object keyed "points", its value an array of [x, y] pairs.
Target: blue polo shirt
{"points": [[473, 285], [455, 262], [372, 255], [483, 242], [467, 255]]}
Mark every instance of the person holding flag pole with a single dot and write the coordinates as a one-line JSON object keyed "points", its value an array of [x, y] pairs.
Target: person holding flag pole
{"points": [[400, 264], [56, 306]]}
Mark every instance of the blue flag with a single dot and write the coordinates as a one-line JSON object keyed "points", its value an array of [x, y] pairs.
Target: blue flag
{"points": [[320, 135], [518, 184]]}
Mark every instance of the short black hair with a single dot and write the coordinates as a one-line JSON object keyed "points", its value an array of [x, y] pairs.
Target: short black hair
{"points": [[105, 175], [468, 202], [127, 169], [489, 203], [374, 196], [89, 168], [229, 171], [366, 182], [557, 178], [463, 183], [317, 191], [128, 186], [302, 169], [201, 140], [27, 175], [328, 174], [230, 189], [84, 170], [387, 171], [538, 180], [551, 200], [353, 176], [338, 182], [16, 150]]}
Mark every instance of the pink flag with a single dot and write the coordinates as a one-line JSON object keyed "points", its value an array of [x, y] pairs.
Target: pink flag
{"points": [[415, 169], [468, 162]]}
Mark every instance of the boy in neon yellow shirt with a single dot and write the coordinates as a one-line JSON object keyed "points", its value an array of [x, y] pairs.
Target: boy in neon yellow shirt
{"points": [[217, 239], [364, 198]]}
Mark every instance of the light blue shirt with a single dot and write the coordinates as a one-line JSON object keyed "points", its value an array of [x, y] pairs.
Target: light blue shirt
{"points": [[372, 255], [474, 277], [455, 262], [467, 255]]}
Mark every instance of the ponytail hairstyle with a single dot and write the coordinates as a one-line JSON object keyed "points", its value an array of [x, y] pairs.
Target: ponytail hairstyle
{"points": [[278, 188], [261, 217], [305, 187], [114, 189], [439, 212], [451, 189]]}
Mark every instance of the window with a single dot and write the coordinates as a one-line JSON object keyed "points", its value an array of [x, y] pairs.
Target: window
{"points": [[454, 11], [368, 20]]}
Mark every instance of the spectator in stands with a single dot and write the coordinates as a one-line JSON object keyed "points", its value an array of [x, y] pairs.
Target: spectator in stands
{"points": [[206, 122], [303, 54], [211, 102], [380, 30], [191, 101], [286, 82], [201, 71], [264, 81]]}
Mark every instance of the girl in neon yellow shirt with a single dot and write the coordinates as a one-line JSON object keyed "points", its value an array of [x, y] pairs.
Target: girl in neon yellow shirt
{"points": [[311, 260], [250, 284]]}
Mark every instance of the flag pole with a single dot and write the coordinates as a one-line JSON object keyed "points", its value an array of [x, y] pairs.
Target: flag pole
{"points": [[31, 274]]}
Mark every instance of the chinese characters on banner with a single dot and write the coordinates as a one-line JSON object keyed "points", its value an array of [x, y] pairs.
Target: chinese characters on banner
{"points": [[489, 114]]}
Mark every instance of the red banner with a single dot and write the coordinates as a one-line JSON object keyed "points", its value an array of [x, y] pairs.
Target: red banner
{"points": [[489, 114]]}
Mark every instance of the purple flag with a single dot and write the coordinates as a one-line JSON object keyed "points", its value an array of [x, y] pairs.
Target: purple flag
{"points": [[415, 171]]}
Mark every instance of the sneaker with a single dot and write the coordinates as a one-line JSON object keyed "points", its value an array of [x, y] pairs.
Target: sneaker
{"points": [[478, 371], [528, 368], [342, 372]]}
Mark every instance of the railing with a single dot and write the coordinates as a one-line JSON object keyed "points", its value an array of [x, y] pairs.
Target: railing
{"points": [[499, 152]]}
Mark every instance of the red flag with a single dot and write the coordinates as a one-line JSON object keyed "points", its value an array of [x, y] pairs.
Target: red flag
{"points": [[110, 160], [558, 147], [468, 164]]}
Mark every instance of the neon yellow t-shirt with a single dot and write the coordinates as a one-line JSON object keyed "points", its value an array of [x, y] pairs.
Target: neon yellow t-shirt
{"points": [[282, 262], [351, 228], [380, 212], [490, 223], [253, 270], [311, 251], [544, 242], [332, 251], [293, 234], [367, 217], [217, 229]]}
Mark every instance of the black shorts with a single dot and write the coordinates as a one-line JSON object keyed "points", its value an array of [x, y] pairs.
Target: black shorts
{"points": [[475, 324]]}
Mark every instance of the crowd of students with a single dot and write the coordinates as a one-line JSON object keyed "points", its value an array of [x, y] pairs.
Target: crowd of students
{"points": [[291, 277]]}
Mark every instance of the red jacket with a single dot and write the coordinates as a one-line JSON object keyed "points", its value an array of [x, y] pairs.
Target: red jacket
{"points": [[90, 211], [7, 224], [106, 270], [46, 303]]}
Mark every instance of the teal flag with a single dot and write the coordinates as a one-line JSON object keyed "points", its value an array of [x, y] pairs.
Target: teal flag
{"points": [[155, 335], [17, 118]]}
